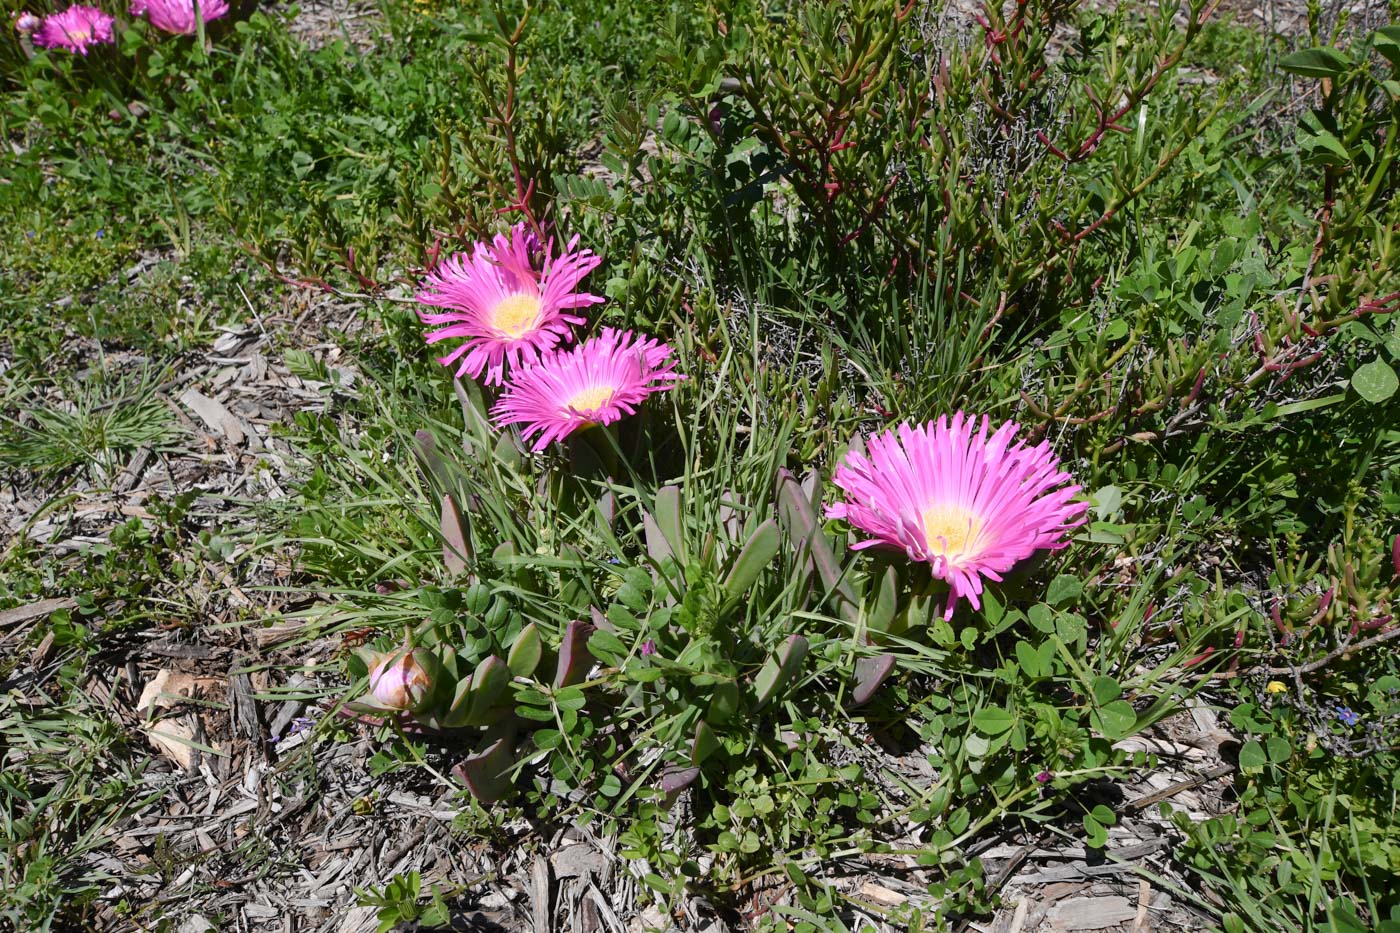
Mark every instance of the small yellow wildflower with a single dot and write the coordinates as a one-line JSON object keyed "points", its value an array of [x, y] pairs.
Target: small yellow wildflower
{"points": [[1276, 686]]}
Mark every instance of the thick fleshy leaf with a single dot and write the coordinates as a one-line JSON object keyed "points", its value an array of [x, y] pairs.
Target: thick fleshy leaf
{"points": [[487, 773], [456, 552], [525, 652], [489, 682], [480, 435], [658, 548], [667, 509], [882, 607], [459, 707], [574, 659], [870, 674], [434, 467], [758, 552], [798, 516], [724, 702], [607, 509], [508, 450], [779, 670], [704, 744], [676, 780]]}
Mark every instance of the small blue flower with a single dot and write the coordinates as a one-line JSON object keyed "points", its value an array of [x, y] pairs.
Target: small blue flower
{"points": [[101, 233], [1346, 717]]}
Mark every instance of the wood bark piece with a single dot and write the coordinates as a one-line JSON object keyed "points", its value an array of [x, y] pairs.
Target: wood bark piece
{"points": [[44, 607], [214, 414], [1090, 913], [539, 895]]}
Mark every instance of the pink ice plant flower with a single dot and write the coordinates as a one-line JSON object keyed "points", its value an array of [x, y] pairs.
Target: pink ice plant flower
{"points": [[178, 16], [597, 382], [507, 311], [969, 503], [76, 29]]}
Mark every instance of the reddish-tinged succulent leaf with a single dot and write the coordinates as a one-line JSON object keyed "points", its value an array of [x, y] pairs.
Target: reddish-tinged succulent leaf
{"points": [[704, 744], [675, 780], [800, 519], [455, 550], [488, 683], [508, 450], [431, 461], [870, 674], [474, 416], [607, 509], [525, 652], [487, 773], [574, 659], [601, 621], [779, 669], [658, 549]]}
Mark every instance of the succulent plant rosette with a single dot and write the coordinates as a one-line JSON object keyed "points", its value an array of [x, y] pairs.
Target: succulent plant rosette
{"points": [[666, 607]]}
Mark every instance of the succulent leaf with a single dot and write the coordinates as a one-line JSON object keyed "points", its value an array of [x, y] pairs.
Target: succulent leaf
{"points": [[724, 702], [758, 552], [885, 602], [779, 669], [703, 745], [676, 780], [800, 519], [434, 467], [488, 683], [525, 652], [574, 659], [456, 552], [668, 518], [870, 673], [487, 773]]}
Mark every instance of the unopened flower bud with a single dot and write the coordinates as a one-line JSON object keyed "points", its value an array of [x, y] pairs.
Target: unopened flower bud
{"points": [[404, 680], [27, 22]]}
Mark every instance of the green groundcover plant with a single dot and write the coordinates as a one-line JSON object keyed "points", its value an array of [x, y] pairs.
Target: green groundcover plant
{"points": [[984, 386]]}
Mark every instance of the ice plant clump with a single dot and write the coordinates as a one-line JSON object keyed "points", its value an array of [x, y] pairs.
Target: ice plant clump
{"points": [[969, 504], [178, 16], [76, 29], [596, 382], [506, 310], [404, 680]]}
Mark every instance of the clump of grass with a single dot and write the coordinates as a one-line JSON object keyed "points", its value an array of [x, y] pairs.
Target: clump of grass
{"points": [[108, 418]]}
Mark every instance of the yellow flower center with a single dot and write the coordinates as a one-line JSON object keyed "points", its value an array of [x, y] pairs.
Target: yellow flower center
{"points": [[516, 315], [591, 399], [950, 530]]}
